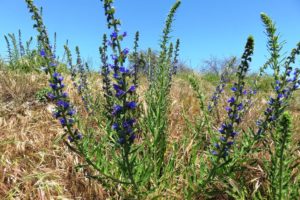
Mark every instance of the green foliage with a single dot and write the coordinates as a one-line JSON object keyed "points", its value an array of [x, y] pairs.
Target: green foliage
{"points": [[220, 162], [283, 84], [264, 85], [282, 160], [211, 78], [24, 58], [158, 100], [41, 95]]}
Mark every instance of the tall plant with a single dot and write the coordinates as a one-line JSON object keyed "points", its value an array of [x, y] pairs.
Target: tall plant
{"points": [[158, 99]]}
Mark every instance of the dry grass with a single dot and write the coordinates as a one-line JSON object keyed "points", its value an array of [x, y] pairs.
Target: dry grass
{"points": [[34, 163]]}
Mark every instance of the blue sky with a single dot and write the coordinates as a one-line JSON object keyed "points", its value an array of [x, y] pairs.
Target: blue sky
{"points": [[205, 27]]}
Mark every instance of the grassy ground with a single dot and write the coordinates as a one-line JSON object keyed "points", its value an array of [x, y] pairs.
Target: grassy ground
{"points": [[34, 162]]}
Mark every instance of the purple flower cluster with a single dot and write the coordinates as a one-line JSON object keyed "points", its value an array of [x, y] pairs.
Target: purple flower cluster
{"points": [[216, 95], [57, 83], [234, 111], [64, 111], [83, 86], [123, 120], [125, 131], [284, 89], [105, 71], [52, 63], [123, 102], [115, 37], [236, 106]]}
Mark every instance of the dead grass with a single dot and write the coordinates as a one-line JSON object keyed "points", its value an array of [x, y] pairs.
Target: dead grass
{"points": [[34, 163]]}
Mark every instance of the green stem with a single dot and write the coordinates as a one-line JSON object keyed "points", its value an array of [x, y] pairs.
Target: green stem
{"points": [[281, 168], [212, 173], [129, 168]]}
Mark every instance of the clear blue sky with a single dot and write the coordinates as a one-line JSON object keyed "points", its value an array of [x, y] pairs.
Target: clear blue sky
{"points": [[206, 27]]}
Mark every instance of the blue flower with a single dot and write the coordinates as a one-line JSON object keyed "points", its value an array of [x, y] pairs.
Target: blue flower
{"points": [[70, 138], [280, 95], [132, 88], [43, 53], [129, 123], [209, 108], [116, 87], [116, 109], [221, 130], [125, 51], [51, 96], [120, 93], [63, 121], [230, 143], [258, 122], [132, 137], [56, 114], [217, 145], [63, 104], [231, 100], [131, 105], [121, 82], [271, 101], [124, 70], [71, 112], [116, 76], [234, 89], [233, 134], [53, 86], [228, 108], [64, 95], [272, 118], [109, 43], [240, 106], [56, 75], [114, 35], [79, 136], [121, 140], [114, 57], [268, 110], [115, 126], [71, 121]]}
